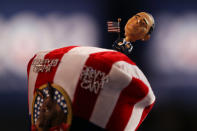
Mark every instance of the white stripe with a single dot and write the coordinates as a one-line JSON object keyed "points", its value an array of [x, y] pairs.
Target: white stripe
{"points": [[134, 120], [133, 71], [70, 67], [32, 79], [109, 95]]}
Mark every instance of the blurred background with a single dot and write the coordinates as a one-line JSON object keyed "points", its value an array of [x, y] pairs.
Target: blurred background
{"points": [[168, 59]]}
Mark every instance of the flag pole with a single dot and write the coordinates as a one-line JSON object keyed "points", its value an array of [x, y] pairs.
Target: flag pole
{"points": [[119, 20]]}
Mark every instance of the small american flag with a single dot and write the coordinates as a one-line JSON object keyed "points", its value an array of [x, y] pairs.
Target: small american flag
{"points": [[113, 26]]}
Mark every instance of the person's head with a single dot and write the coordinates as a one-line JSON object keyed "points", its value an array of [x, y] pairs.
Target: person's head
{"points": [[139, 27]]}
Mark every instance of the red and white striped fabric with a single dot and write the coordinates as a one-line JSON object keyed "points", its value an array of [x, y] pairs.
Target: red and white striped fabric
{"points": [[123, 102]]}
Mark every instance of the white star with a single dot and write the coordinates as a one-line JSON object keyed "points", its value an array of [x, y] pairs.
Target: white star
{"points": [[55, 97], [62, 98], [56, 92], [38, 98], [64, 105], [47, 92]]}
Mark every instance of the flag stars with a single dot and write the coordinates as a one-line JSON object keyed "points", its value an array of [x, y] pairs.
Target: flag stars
{"points": [[46, 91], [62, 98], [38, 98], [55, 97], [58, 97], [56, 92], [64, 105]]}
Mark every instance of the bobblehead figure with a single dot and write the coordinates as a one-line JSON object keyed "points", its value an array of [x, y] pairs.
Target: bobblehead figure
{"points": [[138, 27]]}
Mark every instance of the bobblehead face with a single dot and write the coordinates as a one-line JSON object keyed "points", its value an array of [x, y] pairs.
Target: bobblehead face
{"points": [[138, 26]]}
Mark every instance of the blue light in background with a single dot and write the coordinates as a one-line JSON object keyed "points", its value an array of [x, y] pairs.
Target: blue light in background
{"points": [[27, 33], [173, 48]]}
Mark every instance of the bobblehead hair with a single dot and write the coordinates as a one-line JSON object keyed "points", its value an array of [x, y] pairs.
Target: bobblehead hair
{"points": [[153, 25]]}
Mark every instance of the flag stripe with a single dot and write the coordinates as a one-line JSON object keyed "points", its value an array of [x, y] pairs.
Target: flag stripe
{"points": [[144, 114], [85, 98], [105, 103], [99, 61], [28, 71], [135, 73], [45, 77], [137, 114], [37, 79], [113, 30], [129, 96], [113, 26], [32, 78], [72, 63], [29, 66]]}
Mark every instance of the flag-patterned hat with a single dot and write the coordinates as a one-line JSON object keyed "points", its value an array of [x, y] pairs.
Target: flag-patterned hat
{"points": [[87, 88]]}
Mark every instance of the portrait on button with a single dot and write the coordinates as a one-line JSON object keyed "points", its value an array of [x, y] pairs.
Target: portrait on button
{"points": [[51, 108]]}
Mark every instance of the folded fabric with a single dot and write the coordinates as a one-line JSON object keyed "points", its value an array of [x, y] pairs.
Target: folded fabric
{"points": [[100, 86]]}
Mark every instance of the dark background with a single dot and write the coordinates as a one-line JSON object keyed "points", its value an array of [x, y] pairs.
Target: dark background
{"points": [[175, 107]]}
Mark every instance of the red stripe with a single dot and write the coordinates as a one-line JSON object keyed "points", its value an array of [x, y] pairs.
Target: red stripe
{"points": [[129, 96], [113, 24], [144, 114], [28, 70], [44, 77], [84, 100], [29, 66], [113, 28]]}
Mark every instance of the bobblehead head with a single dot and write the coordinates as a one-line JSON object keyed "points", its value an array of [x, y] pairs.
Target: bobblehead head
{"points": [[139, 27]]}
